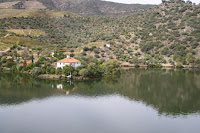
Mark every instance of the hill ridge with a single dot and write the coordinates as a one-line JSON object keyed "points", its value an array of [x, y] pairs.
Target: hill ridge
{"points": [[81, 7]]}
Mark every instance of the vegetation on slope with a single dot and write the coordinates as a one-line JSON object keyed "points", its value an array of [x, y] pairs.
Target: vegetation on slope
{"points": [[28, 32], [8, 39], [81, 7], [168, 33], [10, 13]]}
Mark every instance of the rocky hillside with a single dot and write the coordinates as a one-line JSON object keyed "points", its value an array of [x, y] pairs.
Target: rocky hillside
{"points": [[168, 33], [81, 7]]}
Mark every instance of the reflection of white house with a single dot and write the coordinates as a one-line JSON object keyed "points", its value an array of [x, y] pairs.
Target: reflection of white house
{"points": [[68, 61], [108, 45], [60, 86]]}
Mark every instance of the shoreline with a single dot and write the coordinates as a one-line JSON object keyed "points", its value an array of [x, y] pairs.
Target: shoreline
{"points": [[162, 66], [61, 77], [81, 78]]}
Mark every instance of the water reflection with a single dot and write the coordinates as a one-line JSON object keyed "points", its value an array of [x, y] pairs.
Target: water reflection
{"points": [[66, 89], [170, 92]]}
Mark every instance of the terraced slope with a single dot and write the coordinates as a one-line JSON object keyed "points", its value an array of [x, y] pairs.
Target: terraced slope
{"points": [[33, 13], [28, 32]]}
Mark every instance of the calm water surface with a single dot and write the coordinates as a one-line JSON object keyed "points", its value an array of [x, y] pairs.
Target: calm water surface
{"points": [[139, 101]]}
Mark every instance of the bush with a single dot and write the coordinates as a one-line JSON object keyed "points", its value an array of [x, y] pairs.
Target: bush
{"points": [[165, 51], [3, 59], [83, 72], [137, 66], [10, 63], [29, 66], [67, 70], [58, 71], [83, 54], [52, 71], [179, 66], [96, 51], [111, 67], [13, 69], [97, 56], [19, 68], [36, 71], [85, 49], [146, 47], [111, 57]]}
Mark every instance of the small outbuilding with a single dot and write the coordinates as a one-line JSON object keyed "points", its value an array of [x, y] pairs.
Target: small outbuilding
{"points": [[108, 45]]}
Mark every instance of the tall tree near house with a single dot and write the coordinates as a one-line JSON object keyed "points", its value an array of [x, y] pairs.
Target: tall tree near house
{"points": [[67, 70], [32, 58]]}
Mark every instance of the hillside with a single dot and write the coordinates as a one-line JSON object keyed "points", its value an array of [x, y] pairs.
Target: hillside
{"points": [[98, 7], [10, 13], [166, 34], [81, 7]]}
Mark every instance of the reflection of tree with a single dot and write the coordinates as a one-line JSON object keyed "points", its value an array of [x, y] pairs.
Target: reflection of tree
{"points": [[170, 92], [17, 88]]}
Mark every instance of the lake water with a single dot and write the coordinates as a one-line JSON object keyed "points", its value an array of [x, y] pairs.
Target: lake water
{"points": [[139, 101]]}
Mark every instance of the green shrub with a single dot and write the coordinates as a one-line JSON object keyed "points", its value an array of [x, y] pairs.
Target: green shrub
{"points": [[179, 66], [36, 71], [85, 49]]}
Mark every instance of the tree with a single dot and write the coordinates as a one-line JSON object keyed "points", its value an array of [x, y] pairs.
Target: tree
{"points": [[58, 71], [29, 66], [3, 59], [67, 70], [52, 71], [190, 58], [85, 49], [83, 72], [111, 67], [94, 70], [36, 71], [32, 59]]}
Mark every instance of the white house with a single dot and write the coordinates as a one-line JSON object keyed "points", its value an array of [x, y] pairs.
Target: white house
{"points": [[68, 61], [108, 45]]}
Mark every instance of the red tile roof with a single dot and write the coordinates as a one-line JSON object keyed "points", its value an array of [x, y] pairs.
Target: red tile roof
{"points": [[68, 60]]}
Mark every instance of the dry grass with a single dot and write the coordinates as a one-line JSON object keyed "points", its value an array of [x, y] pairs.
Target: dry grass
{"points": [[27, 4], [14, 40], [34, 5], [2, 34], [25, 32], [33, 13], [8, 4]]}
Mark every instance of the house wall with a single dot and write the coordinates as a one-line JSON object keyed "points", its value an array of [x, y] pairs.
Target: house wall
{"points": [[61, 65], [108, 45]]}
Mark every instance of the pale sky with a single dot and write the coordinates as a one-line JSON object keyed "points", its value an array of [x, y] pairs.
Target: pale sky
{"points": [[145, 1]]}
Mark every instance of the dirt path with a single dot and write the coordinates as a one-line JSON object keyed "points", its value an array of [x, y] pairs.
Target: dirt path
{"points": [[23, 32], [6, 35], [30, 32]]}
